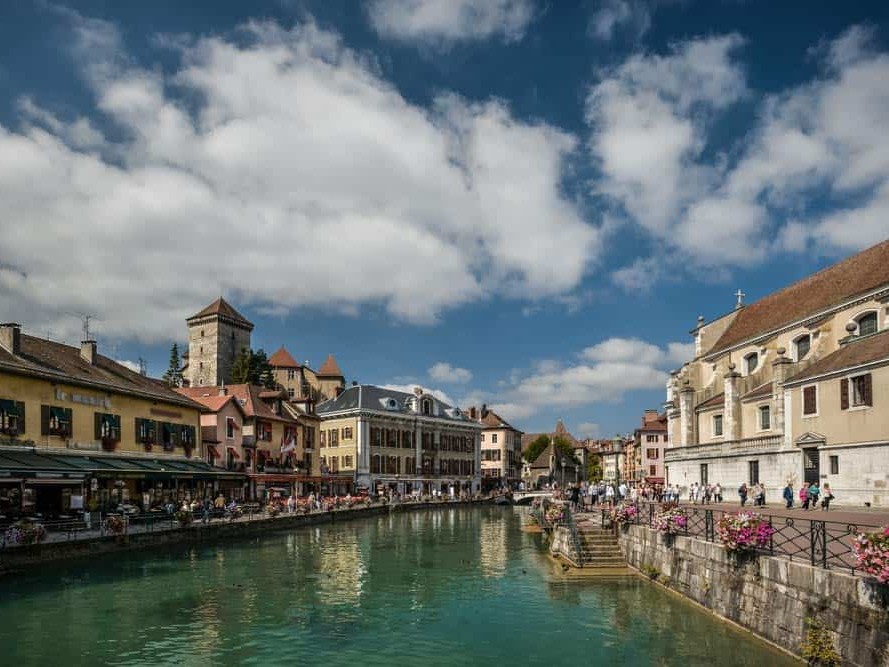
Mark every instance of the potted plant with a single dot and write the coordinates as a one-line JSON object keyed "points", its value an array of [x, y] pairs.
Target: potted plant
{"points": [[109, 443], [744, 532], [670, 520], [114, 525], [624, 514], [25, 531], [872, 553], [183, 517]]}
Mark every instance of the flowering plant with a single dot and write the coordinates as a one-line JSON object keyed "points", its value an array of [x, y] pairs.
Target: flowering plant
{"points": [[25, 531], [624, 514], [670, 520], [872, 553], [743, 532], [554, 514], [114, 525]]}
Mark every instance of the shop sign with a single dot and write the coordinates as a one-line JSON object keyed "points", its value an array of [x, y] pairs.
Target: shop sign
{"points": [[84, 399], [88, 446]]}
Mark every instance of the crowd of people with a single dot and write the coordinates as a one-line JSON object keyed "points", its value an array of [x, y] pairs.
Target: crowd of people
{"points": [[589, 494]]}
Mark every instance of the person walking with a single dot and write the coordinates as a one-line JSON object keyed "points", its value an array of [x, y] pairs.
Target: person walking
{"points": [[575, 497], [205, 515], [827, 497], [788, 495], [814, 493], [742, 493], [717, 492], [804, 496]]}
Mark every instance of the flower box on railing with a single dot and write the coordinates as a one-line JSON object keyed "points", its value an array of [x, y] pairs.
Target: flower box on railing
{"points": [[744, 532], [872, 553]]}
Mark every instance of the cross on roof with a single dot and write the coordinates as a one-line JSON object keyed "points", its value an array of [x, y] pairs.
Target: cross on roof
{"points": [[740, 296]]}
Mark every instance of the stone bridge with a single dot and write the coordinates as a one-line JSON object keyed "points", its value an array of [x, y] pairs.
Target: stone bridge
{"points": [[526, 497]]}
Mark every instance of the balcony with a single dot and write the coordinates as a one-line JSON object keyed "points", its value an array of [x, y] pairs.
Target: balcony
{"points": [[759, 445]]}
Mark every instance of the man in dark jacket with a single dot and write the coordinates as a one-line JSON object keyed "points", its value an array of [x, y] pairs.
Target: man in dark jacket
{"points": [[788, 495]]}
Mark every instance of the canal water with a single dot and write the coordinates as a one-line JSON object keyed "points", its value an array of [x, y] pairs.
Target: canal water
{"points": [[445, 586]]}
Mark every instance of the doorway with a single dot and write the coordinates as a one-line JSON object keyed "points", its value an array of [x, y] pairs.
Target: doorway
{"points": [[811, 466]]}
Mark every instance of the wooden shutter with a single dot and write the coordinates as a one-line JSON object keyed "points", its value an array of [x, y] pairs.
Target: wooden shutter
{"points": [[844, 394], [97, 422], [809, 401], [20, 408], [867, 390], [44, 420]]}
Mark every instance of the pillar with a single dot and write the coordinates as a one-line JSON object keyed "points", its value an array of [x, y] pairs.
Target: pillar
{"points": [[732, 405], [686, 415], [780, 369]]}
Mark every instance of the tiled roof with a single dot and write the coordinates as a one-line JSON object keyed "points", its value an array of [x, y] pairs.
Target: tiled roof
{"points": [[62, 363], [283, 359], [858, 352], [659, 425], [561, 431], [330, 368], [493, 420], [861, 273], [371, 397], [248, 398], [763, 390], [224, 308], [719, 399]]}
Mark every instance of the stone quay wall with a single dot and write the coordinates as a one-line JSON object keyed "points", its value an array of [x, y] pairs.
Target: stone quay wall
{"points": [[18, 559], [770, 596]]}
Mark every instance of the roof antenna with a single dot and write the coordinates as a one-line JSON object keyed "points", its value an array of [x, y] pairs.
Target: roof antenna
{"points": [[143, 369], [85, 319]]}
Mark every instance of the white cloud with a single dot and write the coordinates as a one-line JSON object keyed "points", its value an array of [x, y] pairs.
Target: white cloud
{"points": [[132, 365], [648, 118], [445, 21], [587, 430], [444, 372], [615, 15], [296, 176]]}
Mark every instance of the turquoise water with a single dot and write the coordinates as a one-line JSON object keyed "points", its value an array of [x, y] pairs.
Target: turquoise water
{"points": [[438, 587]]}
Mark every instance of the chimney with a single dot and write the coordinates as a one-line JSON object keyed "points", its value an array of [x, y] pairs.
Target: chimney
{"points": [[223, 390], [10, 334], [484, 412], [473, 413], [88, 351]]}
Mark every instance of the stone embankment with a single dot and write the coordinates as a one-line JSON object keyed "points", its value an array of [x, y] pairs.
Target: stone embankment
{"points": [[17, 559], [772, 597]]}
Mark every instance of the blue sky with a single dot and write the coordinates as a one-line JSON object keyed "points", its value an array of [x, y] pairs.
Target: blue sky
{"points": [[516, 202]]}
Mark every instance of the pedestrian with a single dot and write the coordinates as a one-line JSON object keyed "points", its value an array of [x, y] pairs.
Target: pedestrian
{"points": [[718, 492], [742, 493], [804, 496], [757, 495], [788, 495], [205, 515], [827, 497], [609, 495], [575, 497], [814, 492]]}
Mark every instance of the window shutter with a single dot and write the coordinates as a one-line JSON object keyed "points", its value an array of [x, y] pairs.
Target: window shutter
{"points": [[844, 394], [97, 421], [20, 408], [44, 420], [867, 390]]}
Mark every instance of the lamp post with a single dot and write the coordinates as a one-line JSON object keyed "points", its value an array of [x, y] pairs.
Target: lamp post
{"points": [[617, 445], [564, 463]]}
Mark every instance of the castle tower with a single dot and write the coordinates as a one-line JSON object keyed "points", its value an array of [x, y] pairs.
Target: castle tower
{"points": [[331, 378], [215, 337]]}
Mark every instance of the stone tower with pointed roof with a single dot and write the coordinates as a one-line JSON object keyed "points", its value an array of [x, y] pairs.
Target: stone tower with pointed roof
{"points": [[330, 378], [216, 335]]}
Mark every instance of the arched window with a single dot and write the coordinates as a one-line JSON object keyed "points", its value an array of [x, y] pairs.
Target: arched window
{"points": [[867, 323], [751, 361], [427, 406], [801, 346]]}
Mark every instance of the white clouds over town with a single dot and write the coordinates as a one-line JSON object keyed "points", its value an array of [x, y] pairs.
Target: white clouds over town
{"points": [[444, 372]]}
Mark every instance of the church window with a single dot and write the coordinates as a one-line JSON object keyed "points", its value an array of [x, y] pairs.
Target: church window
{"points": [[751, 361], [202, 333], [765, 418], [810, 400], [867, 324], [717, 425], [802, 345]]}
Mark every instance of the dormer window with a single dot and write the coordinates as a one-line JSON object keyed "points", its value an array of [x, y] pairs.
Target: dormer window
{"points": [[801, 346], [867, 323], [751, 361], [426, 407], [392, 404]]}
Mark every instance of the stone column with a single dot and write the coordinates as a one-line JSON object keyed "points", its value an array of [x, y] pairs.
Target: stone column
{"points": [[418, 450], [780, 369], [732, 405], [362, 453], [686, 415]]}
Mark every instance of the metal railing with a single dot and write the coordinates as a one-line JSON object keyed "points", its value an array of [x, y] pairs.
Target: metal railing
{"points": [[575, 536], [820, 543]]}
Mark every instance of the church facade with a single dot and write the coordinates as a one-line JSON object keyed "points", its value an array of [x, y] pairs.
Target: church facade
{"points": [[792, 388]]}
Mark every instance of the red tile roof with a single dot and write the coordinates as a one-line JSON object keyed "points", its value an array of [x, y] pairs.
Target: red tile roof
{"points": [[330, 368], [223, 308], [283, 359], [861, 273], [58, 362], [857, 352], [248, 398], [493, 420]]}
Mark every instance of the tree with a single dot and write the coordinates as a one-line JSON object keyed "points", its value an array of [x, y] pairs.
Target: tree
{"points": [[173, 375], [542, 441], [252, 368], [594, 468]]}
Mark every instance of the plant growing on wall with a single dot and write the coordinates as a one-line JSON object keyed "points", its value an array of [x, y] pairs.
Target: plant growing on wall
{"points": [[818, 647], [872, 553], [744, 532]]}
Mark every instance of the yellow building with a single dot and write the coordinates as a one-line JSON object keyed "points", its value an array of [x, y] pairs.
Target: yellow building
{"points": [[78, 429], [387, 439]]}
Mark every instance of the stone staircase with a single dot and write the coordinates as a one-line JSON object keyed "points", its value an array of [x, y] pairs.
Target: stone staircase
{"points": [[598, 546]]}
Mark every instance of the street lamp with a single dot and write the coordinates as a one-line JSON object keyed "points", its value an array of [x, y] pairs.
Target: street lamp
{"points": [[617, 445], [564, 463]]}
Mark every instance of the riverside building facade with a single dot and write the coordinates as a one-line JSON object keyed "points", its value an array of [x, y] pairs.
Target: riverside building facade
{"points": [[501, 449], [78, 430], [392, 440], [793, 388]]}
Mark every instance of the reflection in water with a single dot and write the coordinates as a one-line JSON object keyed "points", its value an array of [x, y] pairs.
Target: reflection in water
{"points": [[438, 587]]}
